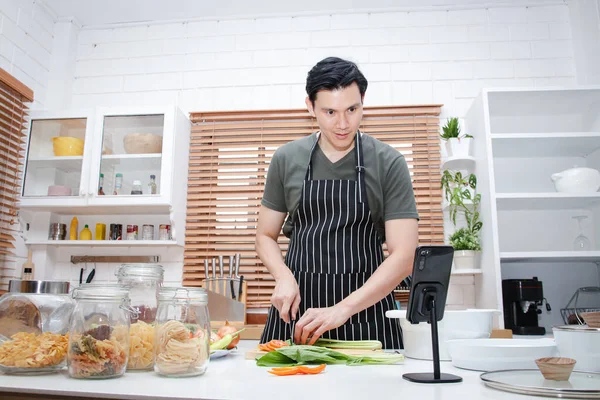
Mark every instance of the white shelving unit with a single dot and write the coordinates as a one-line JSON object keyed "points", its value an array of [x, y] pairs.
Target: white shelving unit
{"points": [[522, 137], [102, 243]]}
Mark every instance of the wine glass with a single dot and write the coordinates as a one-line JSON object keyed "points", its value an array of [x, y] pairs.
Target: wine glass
{"points": [[581, 242]]}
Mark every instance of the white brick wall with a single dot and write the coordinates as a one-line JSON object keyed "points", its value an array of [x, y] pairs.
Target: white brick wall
{"points": [[431, 56], [438, 56], [26, 34]]}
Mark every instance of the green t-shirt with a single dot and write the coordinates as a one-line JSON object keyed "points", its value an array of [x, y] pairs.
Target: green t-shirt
{"points": [[389, 186]]}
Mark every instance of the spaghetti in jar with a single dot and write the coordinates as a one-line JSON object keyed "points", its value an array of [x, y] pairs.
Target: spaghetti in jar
{"points": [[182, 332]]}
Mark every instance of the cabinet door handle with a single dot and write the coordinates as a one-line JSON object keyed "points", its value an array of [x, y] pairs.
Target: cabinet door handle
{"points": [[82, 193], [90, 194]]}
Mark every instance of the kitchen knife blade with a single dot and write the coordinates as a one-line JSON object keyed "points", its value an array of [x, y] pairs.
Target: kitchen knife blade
{"points": [[237, 264]]}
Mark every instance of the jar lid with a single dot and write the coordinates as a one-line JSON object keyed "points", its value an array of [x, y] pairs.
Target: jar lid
{"points": [[92, 291], [38, 287], [150, 271], [183, 293]]}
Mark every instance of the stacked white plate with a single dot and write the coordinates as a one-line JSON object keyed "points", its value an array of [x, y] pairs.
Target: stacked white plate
{"points": [[499, 354]]}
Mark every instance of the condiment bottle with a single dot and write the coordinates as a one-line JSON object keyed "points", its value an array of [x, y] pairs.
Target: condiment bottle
{"points": [[74, 229], [86, 234], [101, 184], [137, 187], [118, 184], [152, 184]]}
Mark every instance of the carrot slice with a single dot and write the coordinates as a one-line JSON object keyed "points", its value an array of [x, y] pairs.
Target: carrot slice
{"points": [[278, 344], [287, 372], [313, 371]]}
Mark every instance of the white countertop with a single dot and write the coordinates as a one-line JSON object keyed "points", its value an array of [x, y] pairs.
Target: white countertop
{"points": [[233, 377]]}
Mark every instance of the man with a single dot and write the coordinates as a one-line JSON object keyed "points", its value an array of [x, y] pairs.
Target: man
{"points": [[346, 193]]}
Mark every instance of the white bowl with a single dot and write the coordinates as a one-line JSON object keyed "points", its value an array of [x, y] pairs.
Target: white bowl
{"points": [[456, 324], [580, 343], [499, 354], [577, 180]]}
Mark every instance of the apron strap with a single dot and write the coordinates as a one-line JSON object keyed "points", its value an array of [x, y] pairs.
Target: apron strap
{"points": [[360, 166]]}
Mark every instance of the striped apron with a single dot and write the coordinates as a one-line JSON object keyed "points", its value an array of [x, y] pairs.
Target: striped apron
{"points": [[334, 248]]}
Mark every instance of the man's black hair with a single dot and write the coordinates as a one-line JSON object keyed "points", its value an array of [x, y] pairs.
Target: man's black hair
{"points": [[333, 73]]}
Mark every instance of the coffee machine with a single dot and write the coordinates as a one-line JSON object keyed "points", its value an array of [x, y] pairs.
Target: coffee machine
{"points": [[521, 299]]}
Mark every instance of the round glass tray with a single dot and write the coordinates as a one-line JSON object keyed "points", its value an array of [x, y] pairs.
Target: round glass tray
{"points": [[581, 385]]}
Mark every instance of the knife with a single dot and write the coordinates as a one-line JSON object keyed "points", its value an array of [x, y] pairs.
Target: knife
{"points": [[206, 273], [292, 327], [237, 264], [231, 266], [232, 289], [214, 274], [222, 282], [240, 288], [91, 276]]}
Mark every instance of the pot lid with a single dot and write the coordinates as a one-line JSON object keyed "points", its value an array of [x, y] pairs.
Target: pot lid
{"points": [[38, 287]]}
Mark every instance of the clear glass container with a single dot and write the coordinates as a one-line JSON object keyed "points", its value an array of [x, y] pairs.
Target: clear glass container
{"points": [[34, 322], [118, 184], [99, 332], [136, 188], [152, 185], [183, 332], [143, 282]]}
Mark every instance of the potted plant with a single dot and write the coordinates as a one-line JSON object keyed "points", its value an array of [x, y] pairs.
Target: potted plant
{"points": [[460, 192], [457, 145]]}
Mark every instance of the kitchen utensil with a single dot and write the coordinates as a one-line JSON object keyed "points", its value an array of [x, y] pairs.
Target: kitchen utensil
{"points": [[28, 267], [292, 327], [206, 271], [556, 368], [223, 282], [577, 180], [585, 299], [237, 265], [222, 308], [58, 190], [142, 143], [57, 231], [231, 265], [67, 146], [581, 343], [592, 319], [81, 276], [91, 275], [214, 273], [499, 354], [232, 289], [240, 287], [457, 324], [531, 382]]}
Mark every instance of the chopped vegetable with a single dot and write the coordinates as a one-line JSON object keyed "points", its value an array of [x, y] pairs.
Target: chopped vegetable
{"points": [[225, 341], [349, 344], [303, 354], [272, 345], [297, 370]]}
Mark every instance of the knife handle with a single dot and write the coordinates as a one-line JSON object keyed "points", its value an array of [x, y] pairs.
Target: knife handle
{"points": [[231, 266], [237, 264], [214, 267], [221, 266], [206, 271]]}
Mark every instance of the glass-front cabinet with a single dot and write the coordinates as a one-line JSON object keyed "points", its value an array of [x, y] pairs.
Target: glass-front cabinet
{"points": [[105, 160], [57, 147]]}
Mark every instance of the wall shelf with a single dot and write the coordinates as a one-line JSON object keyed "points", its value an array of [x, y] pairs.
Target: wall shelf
{"points": [[64, 163], [545, 201], [466, 272], [458, 163], [101, 243], [559, 256], [567, 144]]}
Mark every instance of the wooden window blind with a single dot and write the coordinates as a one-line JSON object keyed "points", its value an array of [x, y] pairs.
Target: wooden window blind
{"points": [[229, 159], [13, 110]]}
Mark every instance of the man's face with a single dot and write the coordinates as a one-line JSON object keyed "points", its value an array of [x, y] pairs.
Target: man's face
{"points": [[338, 113]]}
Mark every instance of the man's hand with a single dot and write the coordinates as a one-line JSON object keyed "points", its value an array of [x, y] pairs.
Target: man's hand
{"points": [[286, 297], [317, 321]]}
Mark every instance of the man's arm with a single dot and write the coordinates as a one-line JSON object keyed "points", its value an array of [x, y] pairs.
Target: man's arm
{"points": [[402, 238], [286, 295]]}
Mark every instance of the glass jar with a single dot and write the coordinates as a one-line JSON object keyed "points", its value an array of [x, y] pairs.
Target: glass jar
{"points": [[35, 316], [182, 333], [99, 332], [143, 282]]}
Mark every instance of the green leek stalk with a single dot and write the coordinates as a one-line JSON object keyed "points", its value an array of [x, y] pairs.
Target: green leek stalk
{"points": [[303, 354]]}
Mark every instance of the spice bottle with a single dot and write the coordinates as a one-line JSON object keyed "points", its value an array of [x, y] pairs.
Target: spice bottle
{"points": [[137, 187], [152, 185], [101, 185], [118, 184]]}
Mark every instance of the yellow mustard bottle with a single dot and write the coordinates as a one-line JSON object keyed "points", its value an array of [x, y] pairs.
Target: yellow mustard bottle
{"points": [[74, 229], [85, 234]]}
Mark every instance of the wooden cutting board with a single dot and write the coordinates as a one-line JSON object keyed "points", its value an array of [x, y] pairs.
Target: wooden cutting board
{"points": [[254, 353]]}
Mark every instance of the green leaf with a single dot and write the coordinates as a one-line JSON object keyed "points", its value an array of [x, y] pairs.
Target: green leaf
{"points": [[303, 354]]}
